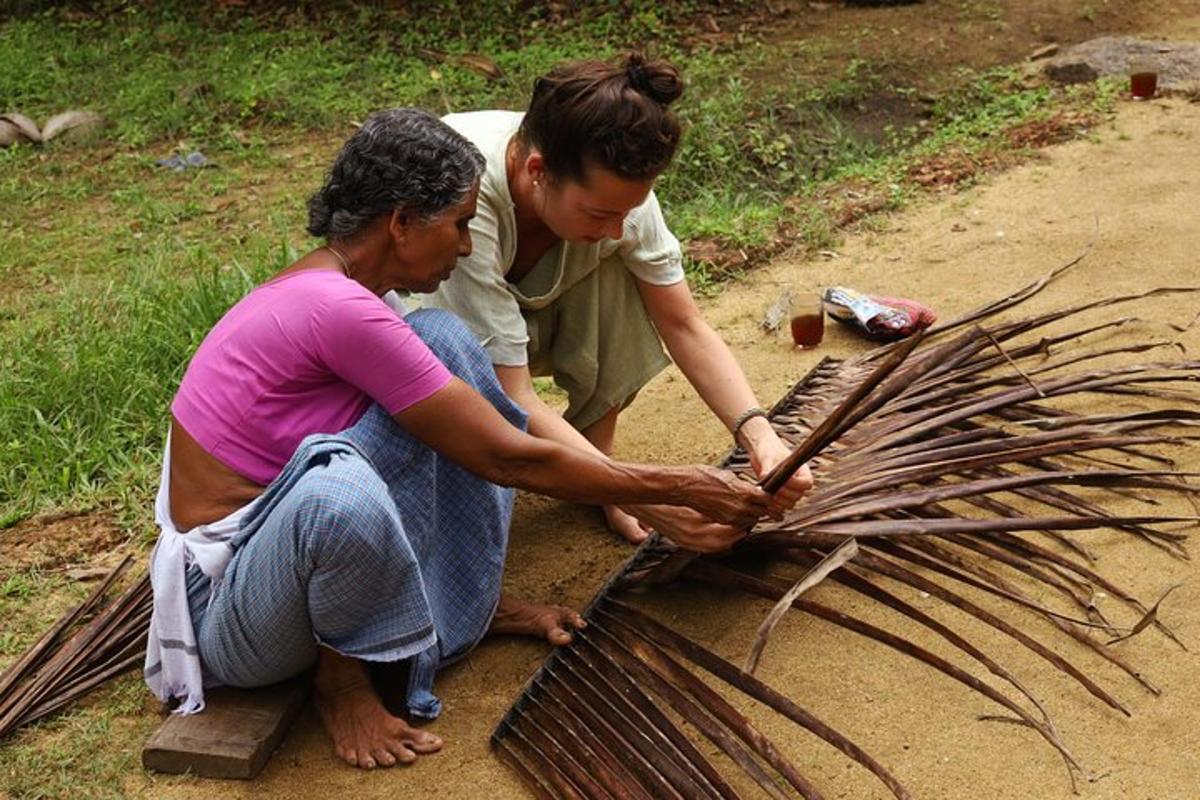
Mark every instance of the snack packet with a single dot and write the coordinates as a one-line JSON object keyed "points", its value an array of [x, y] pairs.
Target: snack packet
{"points": [[877, 317]]}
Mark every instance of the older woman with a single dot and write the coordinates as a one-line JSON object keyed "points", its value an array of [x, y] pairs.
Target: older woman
{"points": [[329, 490], [575, 274]]}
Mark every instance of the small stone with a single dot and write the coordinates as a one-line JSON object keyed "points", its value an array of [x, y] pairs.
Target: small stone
{"points": [[1044, 52], [73, 126]]}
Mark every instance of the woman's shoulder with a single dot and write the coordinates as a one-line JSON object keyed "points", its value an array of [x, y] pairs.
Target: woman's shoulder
{"points": [[490, 131], [305, 292], [485, 125]]}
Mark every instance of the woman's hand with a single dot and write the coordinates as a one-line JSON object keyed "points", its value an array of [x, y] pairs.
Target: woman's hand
{"points": [[689, 529], [725, 498], [764, 457]]}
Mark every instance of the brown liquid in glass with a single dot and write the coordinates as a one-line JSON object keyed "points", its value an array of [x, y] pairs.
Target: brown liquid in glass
{"points": [[1143, 84], [808, 329]]}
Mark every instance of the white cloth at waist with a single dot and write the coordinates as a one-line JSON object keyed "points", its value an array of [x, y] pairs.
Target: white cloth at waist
{"points": [[173, 668]]}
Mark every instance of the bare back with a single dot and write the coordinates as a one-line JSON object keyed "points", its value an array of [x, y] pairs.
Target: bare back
{"points": [[203, 490]]}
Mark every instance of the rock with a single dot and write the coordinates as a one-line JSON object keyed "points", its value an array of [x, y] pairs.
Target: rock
{"points": [[1068, 72], [1177, 63], [9, 133], [21, 128], [73, 126]]}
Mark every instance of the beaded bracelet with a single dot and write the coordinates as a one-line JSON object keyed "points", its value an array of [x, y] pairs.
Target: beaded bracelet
{"points": [[745, 417]]}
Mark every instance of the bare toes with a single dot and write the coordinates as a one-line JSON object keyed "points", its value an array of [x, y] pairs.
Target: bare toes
{"points": [[383, 758], [424, 742], [402, 753]]}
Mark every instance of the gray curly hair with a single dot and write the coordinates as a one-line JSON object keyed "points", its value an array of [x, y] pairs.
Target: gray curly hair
{"points": [[401, 158]]}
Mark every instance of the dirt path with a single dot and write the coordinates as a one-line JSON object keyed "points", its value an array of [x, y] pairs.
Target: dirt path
{"points": [[1140, 178]]}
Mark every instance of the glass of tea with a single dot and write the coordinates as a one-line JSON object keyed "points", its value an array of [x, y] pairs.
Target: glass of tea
{"points": [[1143, 78], [808, 320]]}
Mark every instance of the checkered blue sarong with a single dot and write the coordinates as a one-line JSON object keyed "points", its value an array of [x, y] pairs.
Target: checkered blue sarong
{"points": [[368, 543]]}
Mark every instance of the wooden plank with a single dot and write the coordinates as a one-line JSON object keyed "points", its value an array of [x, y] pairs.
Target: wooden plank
{"points": [[233, 737]]}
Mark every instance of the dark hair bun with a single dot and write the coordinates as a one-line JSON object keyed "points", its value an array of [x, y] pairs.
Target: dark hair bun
{"points": [[658, 80], [614, 114]]}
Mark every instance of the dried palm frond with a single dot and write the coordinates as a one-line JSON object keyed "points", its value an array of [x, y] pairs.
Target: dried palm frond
{"points": [[60, 668], [947, 467]]}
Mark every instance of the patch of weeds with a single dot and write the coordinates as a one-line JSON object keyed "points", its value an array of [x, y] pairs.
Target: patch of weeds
{"points": [[550, 392], [84, 389], [30, 601], [17, 586]]}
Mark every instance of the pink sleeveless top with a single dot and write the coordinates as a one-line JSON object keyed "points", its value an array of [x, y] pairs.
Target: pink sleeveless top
{"points": [[305, 353]]}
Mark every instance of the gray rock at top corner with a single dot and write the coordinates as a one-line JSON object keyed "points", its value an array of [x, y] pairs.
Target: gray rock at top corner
{"points": [[1177, 63]]}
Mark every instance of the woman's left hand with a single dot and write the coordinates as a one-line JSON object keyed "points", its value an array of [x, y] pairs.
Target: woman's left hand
{"points": [[763, 458]]}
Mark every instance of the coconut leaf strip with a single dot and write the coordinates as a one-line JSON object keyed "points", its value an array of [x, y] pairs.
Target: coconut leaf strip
{"points": [[33, 658], [640, 708], [567, 758], [598, 648], [972, 376], [1146, 620], [1034, 550], [910, 527], [898, 572], [960, 379], [703, 708], [524, 772], [917, 498], [39, 687], [617, 613], [1026, 567], [557, 715], [833, 424], [950, 565], [545, 765], [613, 735], [850, 578], [921, 423], [836, 558], [81, 686], [1055, 497], [722, 576], [987, 442], [633, 731]]}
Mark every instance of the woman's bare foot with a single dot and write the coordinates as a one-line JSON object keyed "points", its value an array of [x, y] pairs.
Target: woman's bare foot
{"points": [[624, 524], [552, 623], [364, 734]]}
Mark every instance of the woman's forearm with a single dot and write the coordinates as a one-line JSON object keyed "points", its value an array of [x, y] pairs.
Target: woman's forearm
{"points": [[568, 473], [546, 423], [460, 424], [710, 367]]}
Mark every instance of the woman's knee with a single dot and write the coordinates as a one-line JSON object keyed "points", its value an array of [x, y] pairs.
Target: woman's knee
{"points": [[446, 335], [346, 512]]}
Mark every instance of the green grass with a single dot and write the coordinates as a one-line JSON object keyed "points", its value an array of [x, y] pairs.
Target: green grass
{"points": [[85, 753]]}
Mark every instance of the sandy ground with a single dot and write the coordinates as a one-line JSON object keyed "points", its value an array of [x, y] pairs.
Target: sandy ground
{"points": [[1138, 179]]}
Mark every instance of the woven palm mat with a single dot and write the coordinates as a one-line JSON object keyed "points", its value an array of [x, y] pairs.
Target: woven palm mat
{"points": [[967, 477]]}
